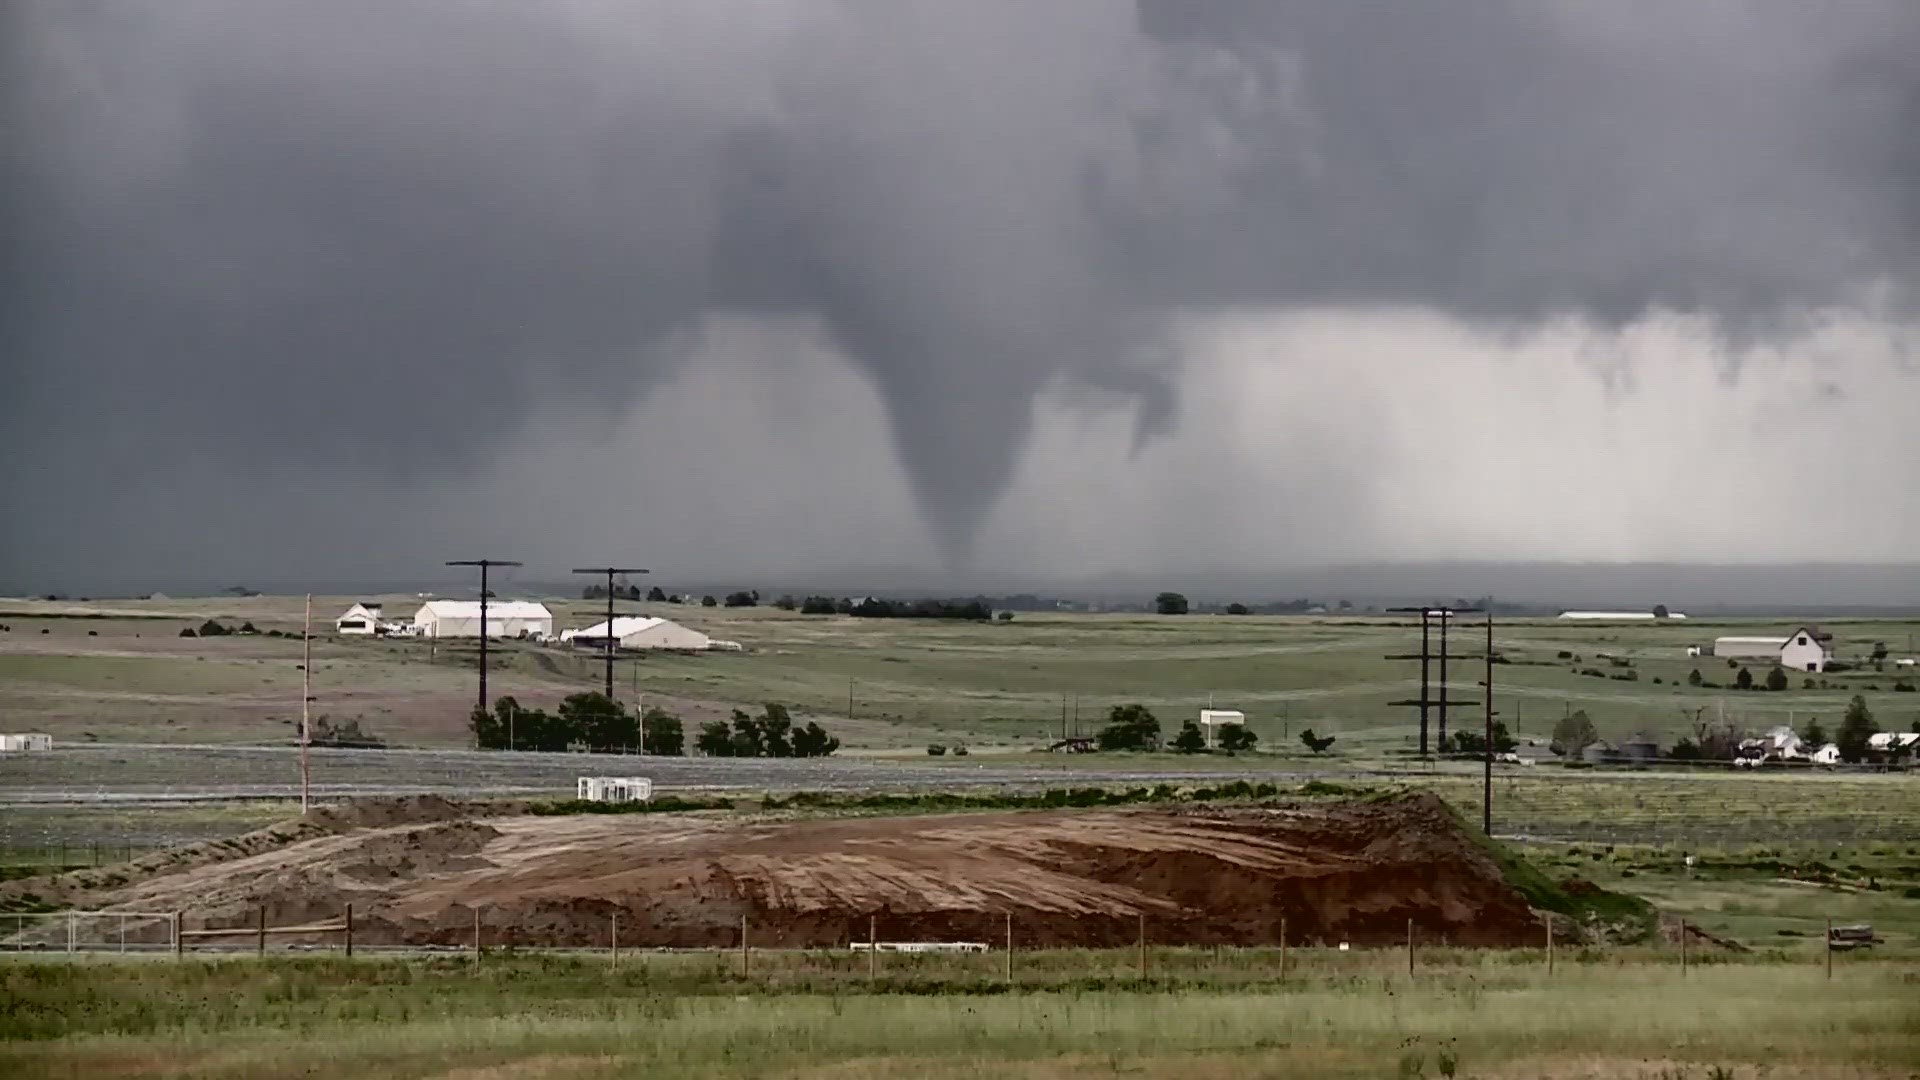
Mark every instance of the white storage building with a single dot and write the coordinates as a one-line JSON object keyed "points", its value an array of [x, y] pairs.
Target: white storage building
{"points": [[361, 618], [1211, 719], [1749, 648], [637, 632], [461, 618], [25, 742]]}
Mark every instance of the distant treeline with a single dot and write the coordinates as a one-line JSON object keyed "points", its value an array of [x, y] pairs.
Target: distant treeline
{"points": [[874, 607]]}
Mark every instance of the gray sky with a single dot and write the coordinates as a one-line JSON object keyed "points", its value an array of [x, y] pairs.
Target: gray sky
{"points": [[949, 289]]}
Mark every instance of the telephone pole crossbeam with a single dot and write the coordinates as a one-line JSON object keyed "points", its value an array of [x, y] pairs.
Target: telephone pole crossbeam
{"points": [[485, 595], [611, 572]]}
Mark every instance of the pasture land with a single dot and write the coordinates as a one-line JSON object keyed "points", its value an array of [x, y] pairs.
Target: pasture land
{"points": [[1070, 1014], [118, 671]]}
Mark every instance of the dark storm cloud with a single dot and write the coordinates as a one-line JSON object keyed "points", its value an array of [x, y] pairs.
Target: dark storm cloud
{"points": [[374, 237]]}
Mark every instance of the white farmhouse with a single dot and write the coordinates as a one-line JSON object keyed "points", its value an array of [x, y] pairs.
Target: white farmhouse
{"points": [[461, 618], [361, 618], [1806, 650], [636, 632]]}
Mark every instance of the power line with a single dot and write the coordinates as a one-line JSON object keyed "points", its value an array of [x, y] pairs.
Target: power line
{"points": [[484, 565], [610, 571], [1429, 615]]}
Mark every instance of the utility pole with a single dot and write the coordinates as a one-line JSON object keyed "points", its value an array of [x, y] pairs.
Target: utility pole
{"points": [[610, 571], [1486, 793], [306, 703], [1429, 617], [484, 565]]}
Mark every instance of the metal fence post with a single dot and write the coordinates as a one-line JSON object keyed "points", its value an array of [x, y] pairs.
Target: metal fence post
{"points": [[71, 929], [1283, 946], [1409, 947], [260, 936], [613, 939], [1829, 947], [1009, 946], [873, 947], [179, 943], [349, 922]]}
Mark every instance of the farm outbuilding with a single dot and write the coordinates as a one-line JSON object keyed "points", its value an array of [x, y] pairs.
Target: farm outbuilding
{"points": [[635, 632], [1806, 650], [25, 742], [361, 618], [614, 789], [461, 618], [1618, 616], [1212, 719], [1749, 648]]}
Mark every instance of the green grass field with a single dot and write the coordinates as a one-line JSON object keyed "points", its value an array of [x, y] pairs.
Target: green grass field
{"points": [[897, 684], [1490, 1014]]}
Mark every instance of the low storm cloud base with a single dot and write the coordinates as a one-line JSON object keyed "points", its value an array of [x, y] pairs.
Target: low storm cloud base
{"points": [[956, 286]]}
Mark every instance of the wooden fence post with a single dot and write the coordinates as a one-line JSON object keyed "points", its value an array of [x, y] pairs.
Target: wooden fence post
{"points": [[873, 947], [349, 927], [1283, 946], [476, 935], [1549, 921], [746, 965], [260, 934], [1683, 947], [1409, 947], [179, 943], [1009, 946], [613, 939], [1829, 947], [1142, 943]]}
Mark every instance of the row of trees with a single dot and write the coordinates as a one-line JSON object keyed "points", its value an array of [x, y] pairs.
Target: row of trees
{"points": [[1721, 742], [873, 607], [771, 734], [584, 721]]}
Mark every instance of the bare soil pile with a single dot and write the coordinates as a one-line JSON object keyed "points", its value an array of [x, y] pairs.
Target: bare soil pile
{"points": [[416, 874]]}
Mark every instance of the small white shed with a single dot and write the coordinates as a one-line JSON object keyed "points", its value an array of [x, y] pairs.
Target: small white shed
{"points": [[361, 618], [1213, 718], [25, 742], [615, 789]]}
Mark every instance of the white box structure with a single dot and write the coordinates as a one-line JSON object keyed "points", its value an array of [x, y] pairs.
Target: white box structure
{"points": [[26, 742], [618, 789], [1212, 718]]}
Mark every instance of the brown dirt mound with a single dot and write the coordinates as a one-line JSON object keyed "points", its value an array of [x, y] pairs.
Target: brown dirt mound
{"points": [[1341, 872]]}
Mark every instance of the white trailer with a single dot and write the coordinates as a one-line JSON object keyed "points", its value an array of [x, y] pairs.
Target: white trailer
{"points": [[615, 789], [26, 742]]}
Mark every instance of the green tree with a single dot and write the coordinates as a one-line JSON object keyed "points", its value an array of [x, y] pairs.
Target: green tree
{"points": [[657, 595], [715, 739], [1191, 739], [1813, 734], [786, 603], [747, 740], [776, 729], [1235, 738], [817, 605], [1685, 750], [1855, 731], [1573, 734], [813, 741], [661, 733], [1236, 609], [1316, 743], [487, 735], [709, 601], [1744, 680], [601, 724], [1777, 679], [1170, 603], [1130, 727], [741, 599], [1694, 678]]}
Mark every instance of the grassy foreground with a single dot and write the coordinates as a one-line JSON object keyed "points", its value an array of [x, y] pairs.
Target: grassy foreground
{"points": [[1489, 1014]]}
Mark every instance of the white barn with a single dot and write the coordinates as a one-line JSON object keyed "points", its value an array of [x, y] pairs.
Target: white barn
{"points": [[637, 632], [1806, 650], [461, 618], [361, 618]]}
